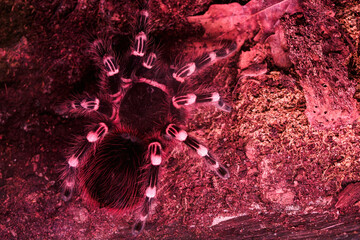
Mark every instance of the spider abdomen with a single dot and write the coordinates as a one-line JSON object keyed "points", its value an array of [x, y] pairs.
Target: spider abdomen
{"points": [[113, 175]]}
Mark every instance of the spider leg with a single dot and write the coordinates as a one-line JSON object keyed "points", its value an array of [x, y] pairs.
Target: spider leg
{"points": [[138, 48], [112, 79], [83, 106], [191, 98], [105, 58], [190, 68], [154, 155], [141, 38], [140, 60], [115, 82], [79, 153], [149, 61], [181, 135]]}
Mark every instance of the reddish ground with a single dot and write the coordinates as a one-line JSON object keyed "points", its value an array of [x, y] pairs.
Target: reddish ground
{"points": [[290, 177]]}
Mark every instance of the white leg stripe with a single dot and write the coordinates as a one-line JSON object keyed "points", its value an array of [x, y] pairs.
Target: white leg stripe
{"points": [[73, 161], [154, 149], [175, 104], [162, 87], [212, 56], [73, 105], [143, 218], [177, 78], [145, 65], [202, 151], [191, 99], [112, 73], [144, 13], [191, 68], [149, 63], [151, 192], [140, 40], [92, 105], [155, 160], [187, 70], [135, 53], [94, 136], [126, 80], [215, 97], [179, 135], [69, 184], [184, 100], [110, 66]]}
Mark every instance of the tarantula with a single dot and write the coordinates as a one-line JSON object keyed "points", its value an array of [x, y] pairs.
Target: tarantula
{"points": [[137, 116]]}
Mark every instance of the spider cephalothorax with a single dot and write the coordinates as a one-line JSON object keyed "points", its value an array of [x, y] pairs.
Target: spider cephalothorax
{"points": [[137, 118]]}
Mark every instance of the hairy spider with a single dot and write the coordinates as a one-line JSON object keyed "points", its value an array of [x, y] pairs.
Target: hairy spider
{"points": [[136, 120]]}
